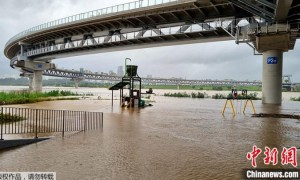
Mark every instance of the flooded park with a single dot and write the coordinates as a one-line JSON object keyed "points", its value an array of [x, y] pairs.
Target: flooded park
{"points": [[176, 138], [217, 94]]}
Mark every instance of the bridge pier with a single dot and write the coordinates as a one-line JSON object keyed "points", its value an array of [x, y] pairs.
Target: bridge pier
{"points": [[30, 77], [272, 77], [30, 83], [272, 46], [37, 81], [77, 81]]}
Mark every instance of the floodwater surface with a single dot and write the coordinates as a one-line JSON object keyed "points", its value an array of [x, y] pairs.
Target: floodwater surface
{"points": [[174, 139]]}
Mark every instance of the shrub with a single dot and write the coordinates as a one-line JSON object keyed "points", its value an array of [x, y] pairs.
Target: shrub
{"points": [[198, 95], [219, 96], [177, 94], [295, 98], [7, 118]]}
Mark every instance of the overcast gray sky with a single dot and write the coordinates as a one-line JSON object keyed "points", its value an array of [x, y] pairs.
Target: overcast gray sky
{"points": [[218, 60]]}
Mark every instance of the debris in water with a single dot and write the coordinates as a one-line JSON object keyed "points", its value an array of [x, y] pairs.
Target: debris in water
{"points": [[264, 115]]}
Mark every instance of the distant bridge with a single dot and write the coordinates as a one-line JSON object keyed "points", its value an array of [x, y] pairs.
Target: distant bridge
{"points": [[172, 81], [155, 81]]}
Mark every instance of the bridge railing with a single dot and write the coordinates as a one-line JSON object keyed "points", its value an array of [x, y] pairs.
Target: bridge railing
{"points": [[201, 27], [34, 121], [90, 14], [172, 30], [240, 28]]}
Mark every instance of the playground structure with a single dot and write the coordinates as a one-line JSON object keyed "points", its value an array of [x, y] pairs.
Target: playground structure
{"points": [[236, 97], [133, 84]]}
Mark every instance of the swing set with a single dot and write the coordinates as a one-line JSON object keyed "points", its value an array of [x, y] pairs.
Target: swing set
{"points": [[236, 97]]}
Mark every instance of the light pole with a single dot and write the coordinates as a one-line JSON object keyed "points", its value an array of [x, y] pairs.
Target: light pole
{"points": [[126, 65]]}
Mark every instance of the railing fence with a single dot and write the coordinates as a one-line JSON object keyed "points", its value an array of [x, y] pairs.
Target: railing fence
{"points": [[24, 120]]}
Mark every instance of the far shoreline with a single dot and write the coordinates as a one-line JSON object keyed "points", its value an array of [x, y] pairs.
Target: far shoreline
{"points": [[104, 93]]}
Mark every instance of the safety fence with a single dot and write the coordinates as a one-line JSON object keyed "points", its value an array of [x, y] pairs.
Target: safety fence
{"points": [[82, 16], [24, 121]]}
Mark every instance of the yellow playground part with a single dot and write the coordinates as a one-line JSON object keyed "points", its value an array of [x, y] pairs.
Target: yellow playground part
{"points": [[232, 106]]}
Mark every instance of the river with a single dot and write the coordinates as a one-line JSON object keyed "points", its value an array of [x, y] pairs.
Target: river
{"points": [[176, 138]]}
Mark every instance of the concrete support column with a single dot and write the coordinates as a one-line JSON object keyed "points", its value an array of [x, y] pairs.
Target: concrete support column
{"points": [[272, 77], [37, 68], [76, 84], [38, 81], [77, 81], [22, 50], [31, 83]]}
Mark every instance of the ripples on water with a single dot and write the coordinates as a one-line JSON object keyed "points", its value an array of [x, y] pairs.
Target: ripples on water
{"points": [[174, 139]]}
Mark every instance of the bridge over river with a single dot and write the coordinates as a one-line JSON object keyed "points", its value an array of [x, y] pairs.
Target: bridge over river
{"points": [[270, 27]]}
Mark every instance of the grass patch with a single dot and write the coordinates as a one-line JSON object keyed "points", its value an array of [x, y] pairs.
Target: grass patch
{"points": [[24, 97], [198, 95], [295, 98], [219, 96], [8, 118], [252, 96], [184, 94]]}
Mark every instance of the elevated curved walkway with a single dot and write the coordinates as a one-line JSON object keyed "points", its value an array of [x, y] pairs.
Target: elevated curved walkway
{"points": [[270, 27]]}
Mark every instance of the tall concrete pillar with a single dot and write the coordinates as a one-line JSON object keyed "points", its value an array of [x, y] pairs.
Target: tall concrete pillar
{"points": [[77, 81], [31, 83], [76, 84], [272, 77], [38, 81]]}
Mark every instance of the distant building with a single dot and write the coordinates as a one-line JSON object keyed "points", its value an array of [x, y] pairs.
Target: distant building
{"points": [[112, 73], [149, 76], [120, 71]]}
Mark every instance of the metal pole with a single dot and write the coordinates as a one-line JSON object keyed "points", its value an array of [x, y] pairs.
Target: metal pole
{"points": [[112, 97], [63, 125], [2, 121], [126, 65], [85, 119], [120, 97], [102, 119], [36, 121]]}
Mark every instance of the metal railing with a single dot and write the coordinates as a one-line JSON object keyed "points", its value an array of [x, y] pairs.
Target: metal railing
{"points": [[227, 24], [25, 121], [199, 27], [90, 14]]}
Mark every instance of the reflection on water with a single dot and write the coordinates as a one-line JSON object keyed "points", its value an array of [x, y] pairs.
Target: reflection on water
{"points": [[174, 139]]}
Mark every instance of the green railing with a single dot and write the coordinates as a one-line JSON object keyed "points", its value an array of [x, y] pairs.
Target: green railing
{"points": [[90, 14]]}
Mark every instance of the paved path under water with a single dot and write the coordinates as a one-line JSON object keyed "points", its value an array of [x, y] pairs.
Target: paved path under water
{"points": [[174, 139]]}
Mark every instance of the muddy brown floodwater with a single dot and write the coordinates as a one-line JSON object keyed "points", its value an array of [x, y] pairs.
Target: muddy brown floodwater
{"points": [[174, 139]]}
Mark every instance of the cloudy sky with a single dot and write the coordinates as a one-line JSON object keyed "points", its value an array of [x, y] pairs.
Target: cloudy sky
{"points": [[219, 60]]}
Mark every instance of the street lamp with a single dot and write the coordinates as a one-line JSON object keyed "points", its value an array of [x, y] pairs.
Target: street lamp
{"points": [[126, 65]]}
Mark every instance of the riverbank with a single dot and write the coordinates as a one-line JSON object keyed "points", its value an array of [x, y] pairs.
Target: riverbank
{"points": [[25, 97], [105, 94]]}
